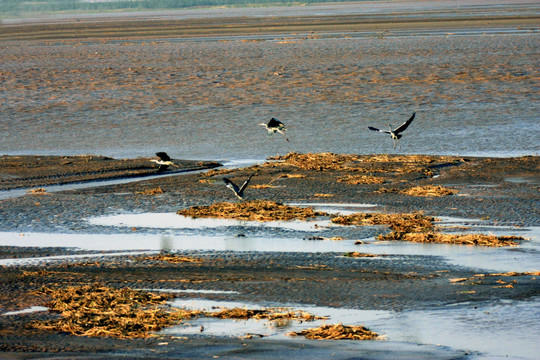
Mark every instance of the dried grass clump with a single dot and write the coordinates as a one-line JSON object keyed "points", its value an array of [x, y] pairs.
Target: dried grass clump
{"points": [[337, 332], [257, 210], [37, 191], [402, 222], [319, 162], [263, 186], [268, 314], [358, 254], [291, 176], [465, 239], [413, 159], [514, 273], [429, 190], [171, 258], [149, 192], [97, 310], [361, 179]]}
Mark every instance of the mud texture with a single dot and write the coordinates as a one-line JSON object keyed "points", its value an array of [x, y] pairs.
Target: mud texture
{"points": [[324, 279]]}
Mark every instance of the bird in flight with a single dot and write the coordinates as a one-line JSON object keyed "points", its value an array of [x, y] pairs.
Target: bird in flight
{"points": [[274, 126], [164, 161], [238, 191], [396, 133]]}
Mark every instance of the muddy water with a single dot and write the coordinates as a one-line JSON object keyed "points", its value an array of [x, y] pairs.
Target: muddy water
{"points": [[475, 92]]}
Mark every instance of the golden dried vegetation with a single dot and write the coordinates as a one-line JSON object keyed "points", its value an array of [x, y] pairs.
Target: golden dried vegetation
{"points": [[429, 190], [100, 311], [257, 210], [361, 179], [457, 239], [356, 254], [170, 258], [417, 227], [338, 332]]}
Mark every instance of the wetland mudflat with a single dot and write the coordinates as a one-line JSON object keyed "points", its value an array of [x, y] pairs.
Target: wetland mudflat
{"points": [[117, 93]]}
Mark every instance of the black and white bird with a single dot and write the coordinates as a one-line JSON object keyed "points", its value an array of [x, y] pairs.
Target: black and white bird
{"points": [[164, 161], [396, 133], [238, 191], [274, 126]]}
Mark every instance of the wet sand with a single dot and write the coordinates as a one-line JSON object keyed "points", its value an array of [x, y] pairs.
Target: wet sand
{"points": [[503, 190]]}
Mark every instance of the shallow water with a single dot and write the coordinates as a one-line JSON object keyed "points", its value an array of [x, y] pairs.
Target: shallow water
{"points": [[172, 232], [469, 88], [504, 329]]}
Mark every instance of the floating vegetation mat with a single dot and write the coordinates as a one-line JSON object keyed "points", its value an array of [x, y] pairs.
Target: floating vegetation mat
{"points": [[402, 222], [464, 239], [100, 311], [338, 332], [268, 314], [429, 190], [257, 210]]}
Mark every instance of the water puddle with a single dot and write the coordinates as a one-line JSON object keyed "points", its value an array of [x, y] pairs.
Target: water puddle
{"points": [[174, 221], [157, 242], [172, 232], [274, 329], [532, 180], [30, 310], [483, 329]]}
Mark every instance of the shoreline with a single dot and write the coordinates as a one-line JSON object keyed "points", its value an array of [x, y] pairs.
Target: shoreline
{"points": [[311, 19]]}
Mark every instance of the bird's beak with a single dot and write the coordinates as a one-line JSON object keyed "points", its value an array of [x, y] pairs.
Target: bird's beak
{"points": [[262, 124]]}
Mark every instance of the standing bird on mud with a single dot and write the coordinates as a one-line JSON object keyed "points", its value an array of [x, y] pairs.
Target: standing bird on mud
{"points": [[238, 191], [164, 161], [274, 126], [396, 133]]}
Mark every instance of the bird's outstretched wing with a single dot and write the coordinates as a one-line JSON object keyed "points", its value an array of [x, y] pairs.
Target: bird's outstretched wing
{"points": [[245, 184], [163, 156], [275, 123], [231, 185], [375, 129], [403, 126]]}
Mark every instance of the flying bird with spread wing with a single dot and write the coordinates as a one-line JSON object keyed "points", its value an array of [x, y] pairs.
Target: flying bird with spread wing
{"points": [[275, 126], [396, 133], [238, 191]]}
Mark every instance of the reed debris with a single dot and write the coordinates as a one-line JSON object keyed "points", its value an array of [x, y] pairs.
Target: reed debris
{"points": [[100, 311], [456, 239], [361, 179], [337, 332], [429, 190], [403, 222], [256, 210]]}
